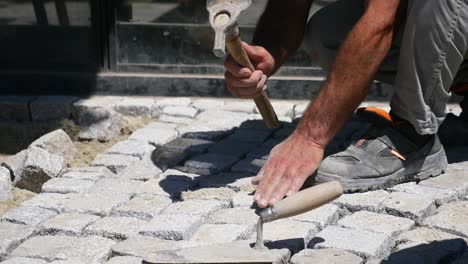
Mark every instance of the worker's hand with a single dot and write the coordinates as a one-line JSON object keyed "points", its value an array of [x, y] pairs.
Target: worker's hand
{"points": [[241, 81], [289, 165]]}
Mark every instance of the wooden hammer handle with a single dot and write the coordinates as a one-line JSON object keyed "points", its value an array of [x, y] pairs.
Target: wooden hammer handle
{"points": [[263, 103]]}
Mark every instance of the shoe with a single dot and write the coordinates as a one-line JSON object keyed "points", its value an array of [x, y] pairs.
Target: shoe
{"points": [[390, 152]]}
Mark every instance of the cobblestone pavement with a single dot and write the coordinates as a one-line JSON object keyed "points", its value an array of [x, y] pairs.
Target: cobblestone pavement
{"points": [[197, 193]]}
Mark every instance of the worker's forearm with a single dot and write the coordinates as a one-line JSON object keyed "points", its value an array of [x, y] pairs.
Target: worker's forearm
{"points": [[348, 81], [281, 28]]}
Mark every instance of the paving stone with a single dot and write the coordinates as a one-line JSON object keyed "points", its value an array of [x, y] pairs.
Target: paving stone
{"points": [[325, 256], [205, 104], [57, 142], [453, 180], [173, 226], [50, 201], [250, 135], [222, 233], [144, 207], [210, 163], [238, 251], [426, 245], [283, 108], [321, 216], [299, 109], [155, 136], [116, 186], [131, 147], [15, 107], [242, 184], [238, 216], [233, 148], [249, 165], [20, 260], [225, 179], [114, 162], [363, 243], [462, 259], [201, 130], [6, 186], [179, 120], [243, 199], [195, 207], [28, 215], [119, 228], [141, 246], [52, 248], [160, 125], [180, 111], [174, 101], [377, 223], [66, 185], [190, 145], [39, 167], [89, 173], [263, 152], [11, 235], [166, 158], [452, 218], [370, 201], [408, 205], [95, 204], [169, 186], [125, 260], [15, 164], [99, 123], [286, 233], [238, 106], [142, 170], [71, 224], [222, 194], [134, 106], [70, 261], [217, 119], [441, 196]]}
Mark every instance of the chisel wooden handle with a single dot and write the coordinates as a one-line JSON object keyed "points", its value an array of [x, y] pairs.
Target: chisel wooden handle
{"points": [[263, 103], [303, 201]]}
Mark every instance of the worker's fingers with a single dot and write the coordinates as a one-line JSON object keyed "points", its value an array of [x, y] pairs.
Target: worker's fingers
{"points": [[272, 176], [252, 92], [281, 189], [256, 180], [255, 53], [235, 69], [250, 82], [298, 181]]}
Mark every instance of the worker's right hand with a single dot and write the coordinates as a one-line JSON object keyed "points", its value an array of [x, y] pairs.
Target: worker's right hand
{"points": [[241, 81]]}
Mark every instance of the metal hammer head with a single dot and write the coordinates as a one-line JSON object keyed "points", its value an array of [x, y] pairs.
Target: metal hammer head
{"points": [[223, 19]]}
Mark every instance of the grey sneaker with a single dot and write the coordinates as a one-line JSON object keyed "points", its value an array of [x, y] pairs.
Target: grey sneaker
{"points": [[389, 153]]}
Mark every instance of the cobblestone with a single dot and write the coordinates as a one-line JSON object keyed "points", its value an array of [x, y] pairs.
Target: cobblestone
{"points": [[242, 199], [11, 235], [50, 248], [170, 186], [413, 206], [222, 233], [57, 142], [66, 185], [131, 147], [451, 218], [180, 111], [28, 215], [71, 224], [363, 243], [249, 165], [224, 179], [50, 201], [96, 204], [175, 101], [452, 180], [179, 120], [238, 106], [208, 104], [125, 260], [321, 216], [114, 162], [210, 163], [111, 187], [141, 246], [370, 201], [190, 145], [5, 185], [377, 223], [165, 158], [325, 256], [253, 136], [299, 109], [89, 173], [172, 226], [15, 164], [221, 194], [134, 106], [144, 207], [99, 123], [155, 136], [119, 228], [233, 148], [142, 170], [440, 196], [195, 207], [283, 108], [238, 216], [20, 260]]}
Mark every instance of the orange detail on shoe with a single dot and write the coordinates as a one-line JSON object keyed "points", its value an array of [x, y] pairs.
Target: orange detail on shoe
{"points": [[461, 88], [378, 112], [398, 155]]}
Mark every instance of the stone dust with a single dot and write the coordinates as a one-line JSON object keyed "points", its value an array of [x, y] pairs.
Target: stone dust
{"points": [[20, 196]]}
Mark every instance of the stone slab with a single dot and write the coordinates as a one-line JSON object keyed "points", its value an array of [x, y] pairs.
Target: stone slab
{"points": [[66, 185], [238, 106], [6, 187], [180, 111], [172, 226], [322, 216], [71, 224], [224, 179], [370, 201], [252, 136], [57, 142], [143, 207], [134, 106], [239, 216], [142, 170], [179, 120], [50, 201], [125, 260], [141, 246], [452, 218], [114, 162], [99, 123], [408, 205], [15, 164], [117, 228], [28, 215], [452, 180], [52, 248], [170, 186], [191, 145], [116, 186], [205, 104], [363, 243], [221, 194], [154, 136], [243, 199], [195, 207], [95, 204], [134, 148], [167, 158], [210, 163], [325, 256], [21, 260], [88, 173], [377, 223], [11, 235], [249, 165], [230, 147], [221, 233], [174, 101], [440, 196]]}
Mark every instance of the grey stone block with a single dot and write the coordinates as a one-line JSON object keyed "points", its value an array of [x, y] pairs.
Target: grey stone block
{"points": [[21, 260], [180, 111], [299, 109], [134, 106], [142, 170], [51, 108], [172, 226], [116, 186], [242, 199], [370, 201], [190, 145], [96, 204], [200, 130], [229, 147], [166, 158], [322, 216], [161, 125], [50, 201], [408, 205], [114, 162], [15, 108], [452, 218], [119, 228], [195, 207], [222, 233], [57, 142], [132, 148], [224, 179], [238, 106], [249, 165], [100, 123], [141, 246], [66, 185], [6, 186], [221, 194], [11, 235], [242, 184], [15, 164], [377, 223], [144, 207], [88, 173], [155, 136], [452, 180], [441, 196], [238, 251], [71, 224], [170, 186], [238, 216], [263, 152], [253, 136], [125, 260], [363, 243], [172, 101], [325, 256], [205, 104], [50, 248], [39, 167], [28, 215], [210, 163], [176, 120]]}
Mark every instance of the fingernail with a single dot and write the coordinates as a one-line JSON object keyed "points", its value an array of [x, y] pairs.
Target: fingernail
{"points": [[257, 197], [262, 202]]}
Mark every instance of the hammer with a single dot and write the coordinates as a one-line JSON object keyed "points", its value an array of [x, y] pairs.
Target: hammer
{"points": [[223, 19]]}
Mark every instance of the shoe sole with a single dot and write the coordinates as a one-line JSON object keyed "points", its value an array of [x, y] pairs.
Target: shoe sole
{"points": [[403, 175]]}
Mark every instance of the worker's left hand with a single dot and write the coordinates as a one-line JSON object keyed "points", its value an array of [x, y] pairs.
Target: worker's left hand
{"points": [[289, 165]]}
